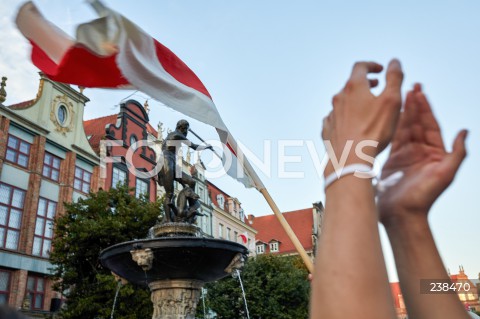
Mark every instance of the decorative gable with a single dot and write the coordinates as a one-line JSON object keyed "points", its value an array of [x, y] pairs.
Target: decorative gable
{"points": [[131, 126], [58, 109]]}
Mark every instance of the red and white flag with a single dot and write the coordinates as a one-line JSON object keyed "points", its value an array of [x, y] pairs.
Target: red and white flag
{"points": [[244, 237], [113, 52]]}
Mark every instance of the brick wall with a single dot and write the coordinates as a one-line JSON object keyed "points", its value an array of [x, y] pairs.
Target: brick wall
{"points": [[4, 126], [35, 166], [67, 176]]}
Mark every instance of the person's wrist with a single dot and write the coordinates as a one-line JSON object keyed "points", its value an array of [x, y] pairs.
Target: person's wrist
{"points": [[351, 160], [410, 230], [402, 218]]}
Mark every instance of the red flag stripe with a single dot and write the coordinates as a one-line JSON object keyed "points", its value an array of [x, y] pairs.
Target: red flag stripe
{"points": [[231, 149], [80, 66], [178, 69]]}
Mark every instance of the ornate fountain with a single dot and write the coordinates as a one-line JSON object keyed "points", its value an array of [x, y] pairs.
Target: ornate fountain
{"points": [[176, 260], [175, 266]]}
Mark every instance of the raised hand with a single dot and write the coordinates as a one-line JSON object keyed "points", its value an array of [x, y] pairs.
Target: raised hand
{"points": [[419, 152], [350, 227], [358, 115], [428, 169]]}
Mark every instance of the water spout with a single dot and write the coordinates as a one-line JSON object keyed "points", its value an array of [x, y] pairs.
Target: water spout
{"points": [[243, 293], [146, 277], [203, 300], [119, 285]]}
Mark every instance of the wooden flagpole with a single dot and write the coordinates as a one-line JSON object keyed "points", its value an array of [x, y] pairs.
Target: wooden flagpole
{"points": [[298, 246]]}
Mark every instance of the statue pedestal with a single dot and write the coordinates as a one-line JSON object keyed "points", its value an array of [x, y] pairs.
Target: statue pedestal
{"points": [[175, 230], [175, 299]]}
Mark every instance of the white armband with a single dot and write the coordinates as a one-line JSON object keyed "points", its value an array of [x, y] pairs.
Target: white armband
{"points": [[359, 170], [364, 171]]}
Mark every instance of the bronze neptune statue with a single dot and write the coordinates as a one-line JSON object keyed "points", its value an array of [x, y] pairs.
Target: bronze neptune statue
{"points": [[187, 204]]}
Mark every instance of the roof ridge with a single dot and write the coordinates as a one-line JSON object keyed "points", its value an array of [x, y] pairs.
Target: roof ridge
{"points": [[291, 211], [298, 210], [218, 188], [101, 117], [21, 105]]}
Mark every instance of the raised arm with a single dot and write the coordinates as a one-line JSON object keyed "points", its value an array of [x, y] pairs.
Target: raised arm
{"points": [[177, 137], [350, 278], [418, 151]]}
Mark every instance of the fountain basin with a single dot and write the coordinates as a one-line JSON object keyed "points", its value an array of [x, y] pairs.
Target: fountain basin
{"points": [[193, 258]]}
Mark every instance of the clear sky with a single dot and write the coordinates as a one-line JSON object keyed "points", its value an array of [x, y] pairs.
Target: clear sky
{"points": [[272, 67]]}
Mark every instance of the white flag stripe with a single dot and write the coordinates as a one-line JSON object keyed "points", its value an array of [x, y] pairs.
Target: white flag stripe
{"points": [[34, 27], [249, 178]]}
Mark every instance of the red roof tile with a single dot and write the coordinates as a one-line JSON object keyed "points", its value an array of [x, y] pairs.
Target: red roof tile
{"points": [[269, 228], [22, 105], [95, 130], [151, 130], [214, 191]]}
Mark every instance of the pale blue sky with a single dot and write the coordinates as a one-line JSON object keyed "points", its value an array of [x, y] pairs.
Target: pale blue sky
{"points": [[272, 68]]}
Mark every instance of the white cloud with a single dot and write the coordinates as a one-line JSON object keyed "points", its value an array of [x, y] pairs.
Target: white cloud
{"points": [[15, 62]]}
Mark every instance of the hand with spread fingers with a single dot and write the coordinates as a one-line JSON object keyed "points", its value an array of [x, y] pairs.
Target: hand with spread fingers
{"points": [[358, 115], [428, 169], [419, 152], [350, 227]]}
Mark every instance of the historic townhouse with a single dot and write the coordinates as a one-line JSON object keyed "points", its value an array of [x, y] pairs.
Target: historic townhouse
{"points": [[272, 238], [45, 160], [229, 218], [117, 140]]}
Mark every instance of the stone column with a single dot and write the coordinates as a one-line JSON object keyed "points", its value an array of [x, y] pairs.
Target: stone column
{"points": [[175, 299]]}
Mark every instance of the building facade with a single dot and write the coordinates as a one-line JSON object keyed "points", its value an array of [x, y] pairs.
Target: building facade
{"points": [[469, 294], [116, 140], [197, 171], [45, 160], [272, 238], [229, 221]]}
